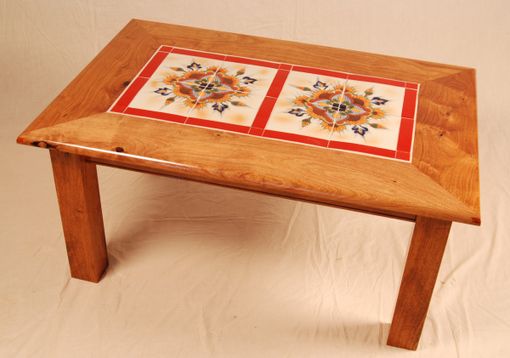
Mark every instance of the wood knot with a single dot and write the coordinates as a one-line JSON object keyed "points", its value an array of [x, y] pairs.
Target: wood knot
{"points": [[42, 144], [126, 83], [441, 134], [119, 149]]}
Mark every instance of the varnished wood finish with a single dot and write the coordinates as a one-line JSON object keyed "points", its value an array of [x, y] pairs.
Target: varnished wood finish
{"points": [[441, 182], [80, 210], [420, 273], [439, 186], [292, 170], [446, 147]]}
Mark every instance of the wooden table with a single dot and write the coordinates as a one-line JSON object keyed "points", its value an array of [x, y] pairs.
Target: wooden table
{"points": [[379, 134]]}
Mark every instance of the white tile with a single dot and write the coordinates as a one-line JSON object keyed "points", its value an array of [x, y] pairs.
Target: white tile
{"points": [[385, 136], [235, 94], [176, 84], [302, 107], [388, 98]]}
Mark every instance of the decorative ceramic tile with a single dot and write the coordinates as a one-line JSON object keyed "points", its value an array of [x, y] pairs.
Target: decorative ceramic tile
{"points": [[384, 124], [177, 84], [235, 93], [307, 107], [331, 109], [170, 85]]}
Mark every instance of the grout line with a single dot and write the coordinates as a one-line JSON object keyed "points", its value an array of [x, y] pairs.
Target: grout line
{"points": [[138, 76], [341, 100], [201, 92], [127, 106], [227, 55], [415, 120], [278, 71]]}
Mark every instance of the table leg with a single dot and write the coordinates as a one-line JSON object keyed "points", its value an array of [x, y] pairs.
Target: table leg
{"points": [[80, 211], [420, 273]]}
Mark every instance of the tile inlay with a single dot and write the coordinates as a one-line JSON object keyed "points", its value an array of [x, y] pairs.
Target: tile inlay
{"points": [[331, 109]]}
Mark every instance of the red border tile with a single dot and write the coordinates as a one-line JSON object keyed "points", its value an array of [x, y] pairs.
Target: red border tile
{"points": [[277, 84], [412, 85], [264, 112], [405, 136], [385, 81], [320, 71], [256, 131], [218, 125], [291, 137], [166, 49], [403, 155], [409, 106], [128, 96], [157, 115], [284, 66], [252, 61], [353, 147], [153, 64], [214, 56]]}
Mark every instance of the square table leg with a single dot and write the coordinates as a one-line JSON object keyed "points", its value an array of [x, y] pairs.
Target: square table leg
{"points": [[80, 210], [420, 273]]}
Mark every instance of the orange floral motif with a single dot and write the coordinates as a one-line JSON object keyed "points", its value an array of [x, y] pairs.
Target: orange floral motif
{"points": [[338, 108], [198, 87]]}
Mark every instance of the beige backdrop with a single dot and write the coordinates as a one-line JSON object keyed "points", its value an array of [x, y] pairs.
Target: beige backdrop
{"points": [[203, 271]]}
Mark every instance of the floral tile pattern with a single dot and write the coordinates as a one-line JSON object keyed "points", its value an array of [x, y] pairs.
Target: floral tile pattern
{"points": [[308, 105], [177, 84], [331, 109], [234, 94]]}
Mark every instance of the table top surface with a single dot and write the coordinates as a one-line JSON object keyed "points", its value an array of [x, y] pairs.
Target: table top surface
{"points": [[382, 134]]}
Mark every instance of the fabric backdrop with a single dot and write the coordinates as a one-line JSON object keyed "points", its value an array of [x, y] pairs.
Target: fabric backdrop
{"points": [[204, 271]]}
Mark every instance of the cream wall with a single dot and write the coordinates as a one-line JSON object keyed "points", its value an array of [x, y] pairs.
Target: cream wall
{"points": [[202, 271]]}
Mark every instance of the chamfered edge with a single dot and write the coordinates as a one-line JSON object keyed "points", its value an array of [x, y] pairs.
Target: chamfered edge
{"points": [[409, 192]]}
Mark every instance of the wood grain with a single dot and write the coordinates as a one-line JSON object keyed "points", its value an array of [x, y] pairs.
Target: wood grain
{"points": [[422, 266], [102, 80], [297, 53], [80, 211], [302, 172], [446, 144]]}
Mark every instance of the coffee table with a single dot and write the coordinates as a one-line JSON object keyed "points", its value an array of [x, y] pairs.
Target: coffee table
{"points": [[373, 133]]}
